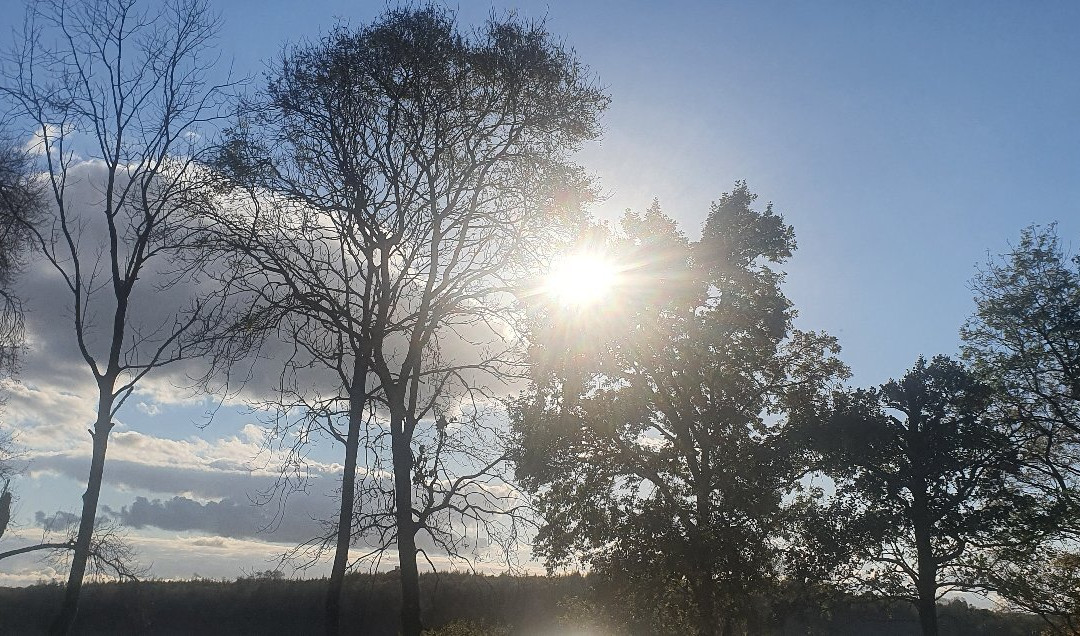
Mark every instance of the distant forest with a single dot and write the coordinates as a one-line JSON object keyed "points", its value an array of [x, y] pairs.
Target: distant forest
{"points": [[457, 605], [385, 246]]}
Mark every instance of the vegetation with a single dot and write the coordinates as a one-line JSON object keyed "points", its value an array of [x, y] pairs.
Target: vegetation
{"points": [[134, 83], [20, 201], [920, 468], [385, 213], [629, 441], [1025, 340], [456, 604], [398, 170]]}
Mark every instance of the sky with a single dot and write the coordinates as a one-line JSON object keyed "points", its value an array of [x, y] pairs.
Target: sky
{"points": [[906, 142]]}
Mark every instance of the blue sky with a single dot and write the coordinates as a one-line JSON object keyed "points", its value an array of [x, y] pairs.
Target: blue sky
{"points": [[905, 141]]}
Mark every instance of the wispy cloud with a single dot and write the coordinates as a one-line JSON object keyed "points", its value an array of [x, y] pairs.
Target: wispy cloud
{"points": [[150, 409]]}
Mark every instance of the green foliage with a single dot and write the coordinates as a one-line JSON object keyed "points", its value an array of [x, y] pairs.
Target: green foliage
{"points": [[1024, 339], [921, 467], [653, 446], [1025, 334], [1046, 582]]}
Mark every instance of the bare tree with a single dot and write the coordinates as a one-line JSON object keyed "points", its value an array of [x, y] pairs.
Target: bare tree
{"points": [[116, 96], [309, 295], [423, 171], [20, 205], [110, 554]]}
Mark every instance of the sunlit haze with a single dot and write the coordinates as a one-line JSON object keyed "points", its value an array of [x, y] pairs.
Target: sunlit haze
{"points": [[580, 279]]}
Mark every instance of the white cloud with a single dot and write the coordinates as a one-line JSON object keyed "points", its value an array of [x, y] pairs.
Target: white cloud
{"points": [[36, 144], [30, 575]]}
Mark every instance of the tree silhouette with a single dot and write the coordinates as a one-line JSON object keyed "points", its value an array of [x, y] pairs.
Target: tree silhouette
{"points": [[6, 471], [921, 468], [653, 444], [1024, 339], [403, 177], [20, 207], [115, 96]]}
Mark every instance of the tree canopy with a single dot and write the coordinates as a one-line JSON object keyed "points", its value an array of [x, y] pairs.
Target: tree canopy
{"points": [[654, 450], [920, 468], [403, 178], [1024, 340]]}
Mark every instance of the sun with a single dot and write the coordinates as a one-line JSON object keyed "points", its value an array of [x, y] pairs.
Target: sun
{"points": [[580, 280]]}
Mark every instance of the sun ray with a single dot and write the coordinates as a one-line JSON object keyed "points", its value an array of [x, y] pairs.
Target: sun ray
{"points": [[580, 280]]}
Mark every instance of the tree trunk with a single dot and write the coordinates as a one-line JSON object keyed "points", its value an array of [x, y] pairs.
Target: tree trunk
{"points": [[928, 613], [927, 583], [706, 608], [65, 620], [406, 532], [5, 509], [348, 496], [705, 588], [928, 608]]}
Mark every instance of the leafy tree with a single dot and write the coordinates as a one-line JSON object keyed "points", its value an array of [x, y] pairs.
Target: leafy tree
{"points": [[1024, 339], [921, 468], [654, 445], [1044, 581], [115, 96], [403, 176]]}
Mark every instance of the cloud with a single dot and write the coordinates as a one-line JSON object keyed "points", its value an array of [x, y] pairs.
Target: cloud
{"points": [[29, 575], [227, 518], [36, 145], [57, 520], [205, 483], [148, 409], [185, 556], [54, 397], [208, 485]]}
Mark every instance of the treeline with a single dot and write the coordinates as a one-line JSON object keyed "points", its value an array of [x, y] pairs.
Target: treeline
{"points": [[455, 605], [374, 221]]}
